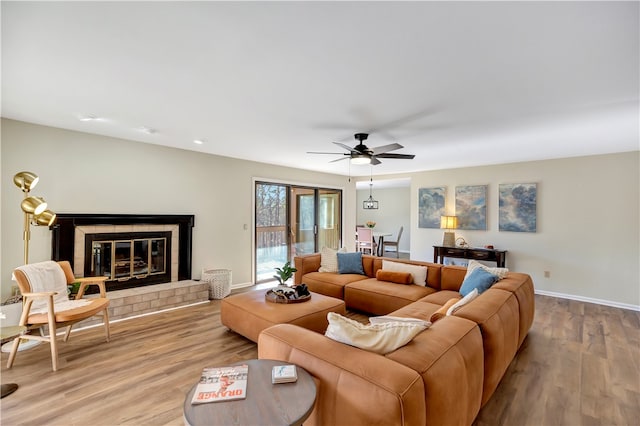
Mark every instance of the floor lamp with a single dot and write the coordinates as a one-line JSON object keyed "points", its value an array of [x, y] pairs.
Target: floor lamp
{"points": [[35, 213]]}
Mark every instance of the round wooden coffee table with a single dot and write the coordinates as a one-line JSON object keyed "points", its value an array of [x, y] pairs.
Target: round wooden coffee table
{"points": [[266, 403]]}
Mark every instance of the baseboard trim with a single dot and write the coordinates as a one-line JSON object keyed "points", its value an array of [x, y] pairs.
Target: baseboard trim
{"points": [[589, 300], [241, 285]]}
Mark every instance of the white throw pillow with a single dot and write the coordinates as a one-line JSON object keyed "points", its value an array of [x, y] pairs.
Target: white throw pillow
{"points": [[419, 273], [473, 264], [379, 338], [329, 259], [460, 303], [389, 318]]}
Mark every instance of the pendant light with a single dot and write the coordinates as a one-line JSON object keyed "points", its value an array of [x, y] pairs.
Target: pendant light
{"points": [[370, 203]]}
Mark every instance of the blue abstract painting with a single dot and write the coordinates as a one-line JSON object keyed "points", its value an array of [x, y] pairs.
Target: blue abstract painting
{"points": [[517, 211], [430, 207], [471, 207]]}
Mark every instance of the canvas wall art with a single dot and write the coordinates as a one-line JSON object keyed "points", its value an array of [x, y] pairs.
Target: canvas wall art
{"points": [[518, 205], [430, 207], [471, 207]]}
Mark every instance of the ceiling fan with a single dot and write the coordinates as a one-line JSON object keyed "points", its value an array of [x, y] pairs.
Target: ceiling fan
{"points": [[361, 154]]}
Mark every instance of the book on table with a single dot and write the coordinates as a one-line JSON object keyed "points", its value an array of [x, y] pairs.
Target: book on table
{"points": [[221, 384], [284, 374]]}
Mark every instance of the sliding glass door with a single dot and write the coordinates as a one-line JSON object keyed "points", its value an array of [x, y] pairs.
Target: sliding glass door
{"points": [[293, 220]]}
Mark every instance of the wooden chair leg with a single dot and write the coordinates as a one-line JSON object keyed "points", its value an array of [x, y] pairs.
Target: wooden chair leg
{"points": [[105, 320], [14, 351], [67, 333], [53, 342]]}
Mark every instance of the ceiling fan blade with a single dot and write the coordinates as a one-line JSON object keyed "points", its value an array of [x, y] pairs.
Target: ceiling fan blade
{"points": [[340, 159], [375, 161], [397, 156], [386, 148], [332, 153], [348, 148]]}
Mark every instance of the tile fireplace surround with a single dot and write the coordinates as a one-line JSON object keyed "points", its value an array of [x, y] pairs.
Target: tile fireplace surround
{"points": [[68, 243]]}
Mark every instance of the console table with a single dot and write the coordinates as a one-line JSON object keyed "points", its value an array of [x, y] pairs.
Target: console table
{"points": [[498, 256]]}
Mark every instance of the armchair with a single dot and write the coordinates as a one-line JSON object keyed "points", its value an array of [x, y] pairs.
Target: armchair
{"points": [[44, 288]]}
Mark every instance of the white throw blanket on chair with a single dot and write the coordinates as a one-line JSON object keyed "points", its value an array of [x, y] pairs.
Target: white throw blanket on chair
{"points": [[49, 276]]}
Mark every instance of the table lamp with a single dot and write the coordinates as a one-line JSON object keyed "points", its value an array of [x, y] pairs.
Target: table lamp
{"points": [[448, 223]]}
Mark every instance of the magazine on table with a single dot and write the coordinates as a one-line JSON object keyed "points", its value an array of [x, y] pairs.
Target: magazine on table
{"points": [[221, 384]]}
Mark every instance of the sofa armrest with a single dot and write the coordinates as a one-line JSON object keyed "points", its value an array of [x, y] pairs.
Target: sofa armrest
{"points": [[305, 264], [356, 387]]}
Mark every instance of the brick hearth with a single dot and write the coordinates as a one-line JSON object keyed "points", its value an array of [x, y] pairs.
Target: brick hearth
{"points": [[149, 299]]}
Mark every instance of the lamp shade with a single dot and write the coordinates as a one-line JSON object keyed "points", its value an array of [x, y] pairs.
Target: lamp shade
{"points": [[26, 180], [46, 218], [448, 222], [33, 205]]}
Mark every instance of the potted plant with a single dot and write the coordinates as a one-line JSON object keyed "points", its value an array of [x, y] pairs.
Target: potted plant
{"points": [[284, 274]]}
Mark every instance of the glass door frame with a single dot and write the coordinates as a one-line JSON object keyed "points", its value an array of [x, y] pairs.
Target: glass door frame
{"points": [[289, 185]]}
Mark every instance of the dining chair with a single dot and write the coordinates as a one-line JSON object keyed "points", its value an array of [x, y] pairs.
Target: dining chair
{"points": [[365, 241], [395, 243], [45, 303]]}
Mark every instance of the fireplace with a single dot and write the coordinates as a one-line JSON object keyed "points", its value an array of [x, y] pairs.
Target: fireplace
{"points": [[131, 250]]}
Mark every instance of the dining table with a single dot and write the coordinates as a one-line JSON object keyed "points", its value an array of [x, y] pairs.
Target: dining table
{"points": [[378, 236]]}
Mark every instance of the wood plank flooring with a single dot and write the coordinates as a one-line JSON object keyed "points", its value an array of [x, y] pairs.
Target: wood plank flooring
{"points": [[580, 365]]}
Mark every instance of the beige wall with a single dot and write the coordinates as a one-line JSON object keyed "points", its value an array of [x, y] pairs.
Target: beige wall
{"points": [[588, 207], [84, 173], [393, 212], [588, 223]]}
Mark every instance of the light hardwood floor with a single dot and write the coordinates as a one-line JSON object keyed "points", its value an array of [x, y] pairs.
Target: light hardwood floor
{"points": [[579, 365]]}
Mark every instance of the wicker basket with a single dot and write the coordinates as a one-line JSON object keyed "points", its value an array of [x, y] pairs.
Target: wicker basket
{"points": [[219, 282]]}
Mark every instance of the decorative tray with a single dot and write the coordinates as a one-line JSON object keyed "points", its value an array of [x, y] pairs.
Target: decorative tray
{"points": [[272, 297]]}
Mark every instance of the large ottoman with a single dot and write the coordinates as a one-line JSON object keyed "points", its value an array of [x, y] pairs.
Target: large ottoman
{"points": [[249, 313]]}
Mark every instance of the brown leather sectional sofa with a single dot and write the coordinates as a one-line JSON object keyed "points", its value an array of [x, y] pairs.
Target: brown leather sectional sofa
{"points": [[443, 376]]}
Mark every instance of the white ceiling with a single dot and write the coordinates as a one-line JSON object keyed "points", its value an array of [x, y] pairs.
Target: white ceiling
{"points": [[457, 83]]}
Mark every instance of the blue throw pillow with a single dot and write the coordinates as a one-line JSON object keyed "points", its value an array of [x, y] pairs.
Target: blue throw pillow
{"points": [[480, 279], [350, 263]]}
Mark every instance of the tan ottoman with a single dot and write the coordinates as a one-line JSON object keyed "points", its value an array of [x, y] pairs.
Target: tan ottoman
{"points": [[248, 313]]}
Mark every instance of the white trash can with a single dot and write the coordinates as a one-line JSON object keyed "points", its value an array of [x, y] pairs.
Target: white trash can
{"points": [[219, 282]]}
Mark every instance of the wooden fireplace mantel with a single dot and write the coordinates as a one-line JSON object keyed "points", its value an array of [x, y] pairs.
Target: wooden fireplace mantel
{"points": [[63, 236]]}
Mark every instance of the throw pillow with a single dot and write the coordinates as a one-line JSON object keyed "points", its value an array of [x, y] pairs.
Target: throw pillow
{"points": [[419, 273], [389, 318], [460, 303], [479, 279], [473, 264], [350, 263], [442, 312], [379, 338], [394, 277], [329, 259]]}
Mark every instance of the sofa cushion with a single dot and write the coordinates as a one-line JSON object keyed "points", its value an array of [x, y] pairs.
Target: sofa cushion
{"points": [[379, 338], [350, 263], [419, 273], [474, 264], [479, 279], [380, 297], [330, 284], [329, 259], [394, 277]]}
